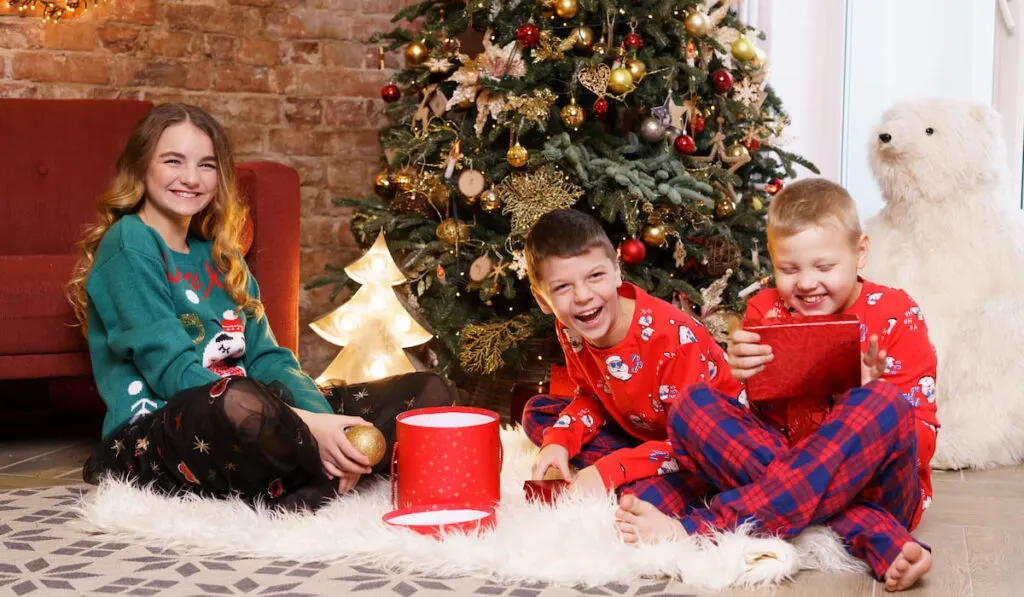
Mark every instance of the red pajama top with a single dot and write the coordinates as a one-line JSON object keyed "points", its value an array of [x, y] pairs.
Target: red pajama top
{"points": [[911, 362], [634, 382]]}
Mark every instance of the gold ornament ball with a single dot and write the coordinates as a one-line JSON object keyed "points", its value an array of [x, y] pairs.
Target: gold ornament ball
{"points": [[566, 9], [637, 69], [517, 156], [415, 53], [760, 58], [743, 49], [383, 186], [451, 231], [489, 201], [572, 115], [654, 235], [437, 194], [402, 180], [697, 23], [724, 207], [620, 81], [369, 441], [599, 48], [737, 151], [583, 36]]}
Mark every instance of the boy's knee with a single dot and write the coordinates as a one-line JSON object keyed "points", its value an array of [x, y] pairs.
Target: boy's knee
{"points": [[694, 398], [540, 411]]}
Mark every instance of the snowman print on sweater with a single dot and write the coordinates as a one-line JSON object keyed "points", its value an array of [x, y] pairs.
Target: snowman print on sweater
{"points": [[226, 347]]}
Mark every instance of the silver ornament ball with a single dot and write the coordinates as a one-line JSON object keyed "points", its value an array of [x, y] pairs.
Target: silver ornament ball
{"points": [[671, 134], [651, 130]]}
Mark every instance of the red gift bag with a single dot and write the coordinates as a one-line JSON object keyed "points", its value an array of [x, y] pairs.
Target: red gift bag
{"points": [[446, 455], [817, 358]]}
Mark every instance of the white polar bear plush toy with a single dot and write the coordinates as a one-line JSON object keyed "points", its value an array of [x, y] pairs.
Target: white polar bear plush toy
{"points": [[950, 235]]}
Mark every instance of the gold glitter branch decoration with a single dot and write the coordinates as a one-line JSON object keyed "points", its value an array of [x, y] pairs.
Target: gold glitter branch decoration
{"points": [[529, 196], [536, 107], [483, 344]]}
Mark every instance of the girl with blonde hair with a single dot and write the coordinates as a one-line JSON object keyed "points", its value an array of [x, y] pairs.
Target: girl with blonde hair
{"points": [[199, 396]]}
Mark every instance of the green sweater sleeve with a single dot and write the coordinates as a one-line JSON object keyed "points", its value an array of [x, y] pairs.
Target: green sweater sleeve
{"points": [[131, 297], [267, 361]]}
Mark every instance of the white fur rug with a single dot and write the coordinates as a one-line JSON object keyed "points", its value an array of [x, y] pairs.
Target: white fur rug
{"points": [[573, 543]]}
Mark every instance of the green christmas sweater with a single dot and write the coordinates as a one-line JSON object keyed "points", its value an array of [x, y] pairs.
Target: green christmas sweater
{"points": [[161, 321]]}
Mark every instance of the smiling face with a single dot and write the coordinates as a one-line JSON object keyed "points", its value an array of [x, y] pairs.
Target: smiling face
{"points": [[582, 292], [181, 179], [816, 269]]}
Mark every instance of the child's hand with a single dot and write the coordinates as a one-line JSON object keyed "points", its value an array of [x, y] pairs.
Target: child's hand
{"points": [[588, 481], [873, 364], [338, 455], [347, 481], [551, 455], [746, 356]]}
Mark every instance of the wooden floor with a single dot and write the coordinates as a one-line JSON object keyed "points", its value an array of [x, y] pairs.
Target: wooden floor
{"points": [[975, 526]]}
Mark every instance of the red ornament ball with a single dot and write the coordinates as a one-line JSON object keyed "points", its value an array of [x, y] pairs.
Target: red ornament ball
{"points": [[752, 144], [528, 34], [633, 41], [721, 80], [697, 124], [685, 144], [390, 93], [632, 251], [600, 107], [774, 186]]}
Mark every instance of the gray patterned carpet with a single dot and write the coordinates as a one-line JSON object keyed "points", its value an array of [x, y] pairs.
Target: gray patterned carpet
{"points": [[42, 553]]}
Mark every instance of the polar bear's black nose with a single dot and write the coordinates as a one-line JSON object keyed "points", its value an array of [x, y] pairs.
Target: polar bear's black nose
{"points": [[885, 137]]}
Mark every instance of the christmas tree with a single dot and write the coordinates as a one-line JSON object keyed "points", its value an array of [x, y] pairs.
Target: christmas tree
{"points": [[373, 326], [654, 116]]}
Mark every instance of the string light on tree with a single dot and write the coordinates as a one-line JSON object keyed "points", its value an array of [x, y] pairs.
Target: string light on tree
{"points": [[372, 326]]}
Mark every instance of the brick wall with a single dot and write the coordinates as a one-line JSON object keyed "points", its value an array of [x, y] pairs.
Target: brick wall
{"points": [[291, 80]]}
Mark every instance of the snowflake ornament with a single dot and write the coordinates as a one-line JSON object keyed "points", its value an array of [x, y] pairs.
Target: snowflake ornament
{"points": [[748, 93], [519, 264]]}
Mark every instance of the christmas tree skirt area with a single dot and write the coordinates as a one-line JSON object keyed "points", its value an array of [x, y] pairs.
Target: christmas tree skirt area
{"points": [[573, 543]]}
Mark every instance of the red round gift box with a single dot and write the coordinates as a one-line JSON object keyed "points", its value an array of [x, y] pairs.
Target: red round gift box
{"points": [[446, 455]]}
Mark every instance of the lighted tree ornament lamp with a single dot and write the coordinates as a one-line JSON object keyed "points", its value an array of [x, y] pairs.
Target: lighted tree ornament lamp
{"points": [[373, 326]]}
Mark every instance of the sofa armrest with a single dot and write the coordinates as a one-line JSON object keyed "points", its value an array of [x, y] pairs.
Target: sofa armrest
{"points": [[273, 194]]}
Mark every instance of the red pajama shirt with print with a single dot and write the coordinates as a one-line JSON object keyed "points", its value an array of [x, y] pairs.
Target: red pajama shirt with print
{"points": [[911, 363], [633, 384]]}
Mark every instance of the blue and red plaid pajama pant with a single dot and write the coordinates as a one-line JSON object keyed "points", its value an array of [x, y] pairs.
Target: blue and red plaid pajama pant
{"points": [[857, 473], [674, 494]]}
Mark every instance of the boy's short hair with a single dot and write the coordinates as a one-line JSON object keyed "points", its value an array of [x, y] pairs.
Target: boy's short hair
{"points": [[563, 233], [812, 202]]}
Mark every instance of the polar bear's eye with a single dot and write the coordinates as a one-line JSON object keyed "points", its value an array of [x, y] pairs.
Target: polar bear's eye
{"points": [[929, 131]]}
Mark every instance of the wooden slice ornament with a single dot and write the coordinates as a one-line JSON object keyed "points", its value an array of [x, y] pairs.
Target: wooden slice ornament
{"points": [[481, 268], [471, 183]]}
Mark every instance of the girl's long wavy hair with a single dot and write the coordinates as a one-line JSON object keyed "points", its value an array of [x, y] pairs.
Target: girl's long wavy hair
{"points": [[222, 220]]}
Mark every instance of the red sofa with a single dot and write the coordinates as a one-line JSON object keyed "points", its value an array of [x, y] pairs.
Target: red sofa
{"points": [[56, 156]]}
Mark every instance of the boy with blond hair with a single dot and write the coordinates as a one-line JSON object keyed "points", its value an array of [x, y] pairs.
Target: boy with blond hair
{"points": [[864, 472], [629, 355]]}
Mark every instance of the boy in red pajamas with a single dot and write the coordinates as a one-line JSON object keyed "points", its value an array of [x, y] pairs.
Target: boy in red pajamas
{"points": [[629, 354], [865, 473]]}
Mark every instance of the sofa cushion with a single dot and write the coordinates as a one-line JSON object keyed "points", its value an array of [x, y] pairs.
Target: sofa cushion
{"points": [[56, 157], [35, 318]]}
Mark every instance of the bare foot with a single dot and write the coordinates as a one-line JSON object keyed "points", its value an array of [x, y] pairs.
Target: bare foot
{"points": [[913, 562], [639, 521]]}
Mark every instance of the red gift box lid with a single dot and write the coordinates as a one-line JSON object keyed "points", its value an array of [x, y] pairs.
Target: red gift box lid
{"points": [[816, 356], [437, 520]]}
